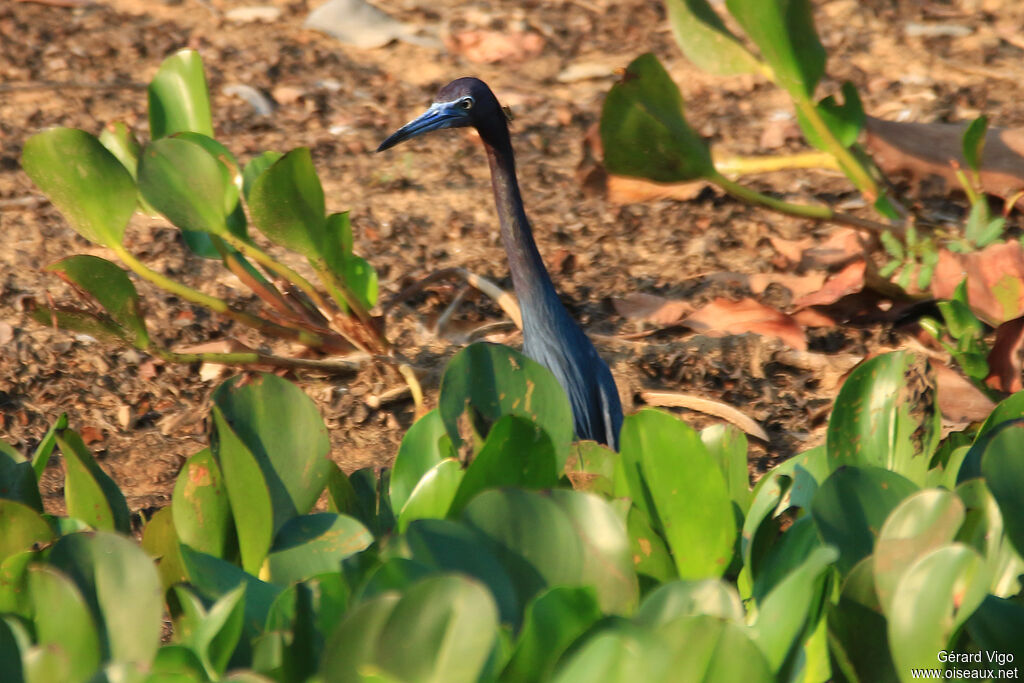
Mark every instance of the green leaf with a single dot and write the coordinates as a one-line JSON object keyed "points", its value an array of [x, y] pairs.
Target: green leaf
{"points": [[255, 168], [554, 620], [213, 578], [160, 541], [996, 627], [61, 618], [432, 498], [112, 289], [83, 180], [791, 607], [212, 634], [121, 586], [705, 40], [932, 600], [283, 429], [250, 498], [21, 528], [361, 279], [18, 479], [644, 130], [41, 458], [784, 32], [90, 494], [82, 322], [974, 142], [186, 184], [313, 544], [893, 246], [287, 204], [922, 522], [857, 629], [713, 597], [617, 655], [1002, 464], [201, 508], [886, 415], [10, 654], [728, 446], [178, 99], [784, 556], [708, 649], [517, 453], [421, 450], [850, 507], [122, 143], [591, 467], [351, 649], [652, 560], [680, 487], [844, 121], [488, 381], [983, 530]]}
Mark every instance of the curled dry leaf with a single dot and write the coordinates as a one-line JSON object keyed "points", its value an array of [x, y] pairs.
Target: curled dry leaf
{"points": [[651, 308], [849, 280], [1006, 359], [723, 317], [673, 399], [924, 150], [959, 400], [995, 280]]}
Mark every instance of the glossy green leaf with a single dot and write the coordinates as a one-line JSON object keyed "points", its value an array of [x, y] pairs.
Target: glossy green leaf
{"points": [[851, 506], [790, 608], [784, 32], [61, 617], [487, 381], [361, 279], [676, 482], [705, 40], [176, 664], [89, 493], [340, 242], [287, 204], [309, 611], [18, 479], [255, 168], [211, 633], [41, 457], [248, 493], [46, 663], [283, 429], [705, 648], [83, 180], [1002, 465], [178, 98], [983, 530], [858, 629], [644, 130], [844, 121], [591, 467], [313, 544], [651, 558], [21, 527], [122, 143], [517, 453], [201, 509], [554, 620], [785, 556], [933, 598], [432, 498], [973, 142], [111, 287], [450, 546], [675, 599], [886, 416], [341, 496], [617, 655], [186, 184], [108, 568], [213, 578], [728, 446], [922, 522], [1010, 408], [350, 650], [421, 450], [161, 542]]}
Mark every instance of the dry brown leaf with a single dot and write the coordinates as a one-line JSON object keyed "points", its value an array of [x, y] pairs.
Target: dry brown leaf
{"points": [[839, 248], [673, 399], [809, 317], [723, 317], [924, 150], [995, 280], [1006, 359], [847, 281], [959, 400], [489, 47], [792, 250], [625, 190], [652, 308], [798, 285]]}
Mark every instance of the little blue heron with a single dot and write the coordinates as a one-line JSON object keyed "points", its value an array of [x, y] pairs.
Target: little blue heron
{"points": [[550, 336]]}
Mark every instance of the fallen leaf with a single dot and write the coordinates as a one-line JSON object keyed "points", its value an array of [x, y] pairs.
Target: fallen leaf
{"points": [[672, 399], [723, 317], [489, 47], [1006, 359], [924, 150], [626, 190], [839, 248], [90, 434], [995, 280], [958, 399], [798, 285], [792, 250], [651, 308], [847, 281]]}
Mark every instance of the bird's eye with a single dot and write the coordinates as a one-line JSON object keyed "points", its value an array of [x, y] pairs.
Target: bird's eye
{"points": [[466, 103]]}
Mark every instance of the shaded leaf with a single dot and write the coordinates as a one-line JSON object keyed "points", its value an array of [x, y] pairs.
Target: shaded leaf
{"points": [[90, 494], [1002, 465], [111, 287]]}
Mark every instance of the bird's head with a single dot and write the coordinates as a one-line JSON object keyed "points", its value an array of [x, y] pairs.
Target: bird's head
{"points": [[463, 102]]}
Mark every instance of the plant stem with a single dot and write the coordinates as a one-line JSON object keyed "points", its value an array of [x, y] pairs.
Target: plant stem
{"points": [[847, 162], [254, 358], [279, 268], [764, 164], [818, 213], [220, 306]]}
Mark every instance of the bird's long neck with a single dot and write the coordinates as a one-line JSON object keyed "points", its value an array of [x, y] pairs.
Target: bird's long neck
{"points": [[529, 276]]}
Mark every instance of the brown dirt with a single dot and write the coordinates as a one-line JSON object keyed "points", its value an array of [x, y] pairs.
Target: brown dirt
{"points": [[426, 205]]}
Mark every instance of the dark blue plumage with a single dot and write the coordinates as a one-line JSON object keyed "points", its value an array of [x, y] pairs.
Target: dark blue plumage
{"points": [[550, 335]]}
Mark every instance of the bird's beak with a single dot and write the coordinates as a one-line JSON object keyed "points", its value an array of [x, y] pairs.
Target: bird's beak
{"points": [[440, 115]]}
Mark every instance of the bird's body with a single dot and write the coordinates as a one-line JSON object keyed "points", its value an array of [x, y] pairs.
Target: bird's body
{"points": [[550, 335]]}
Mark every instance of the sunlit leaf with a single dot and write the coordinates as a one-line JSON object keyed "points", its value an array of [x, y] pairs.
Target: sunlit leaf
{"points": [[112, 289], [178, 98], [89, 492], [201, 508], [186, 184], [705, 40], [61, 617], [287, 204], [21, 527], [313, 544]]}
